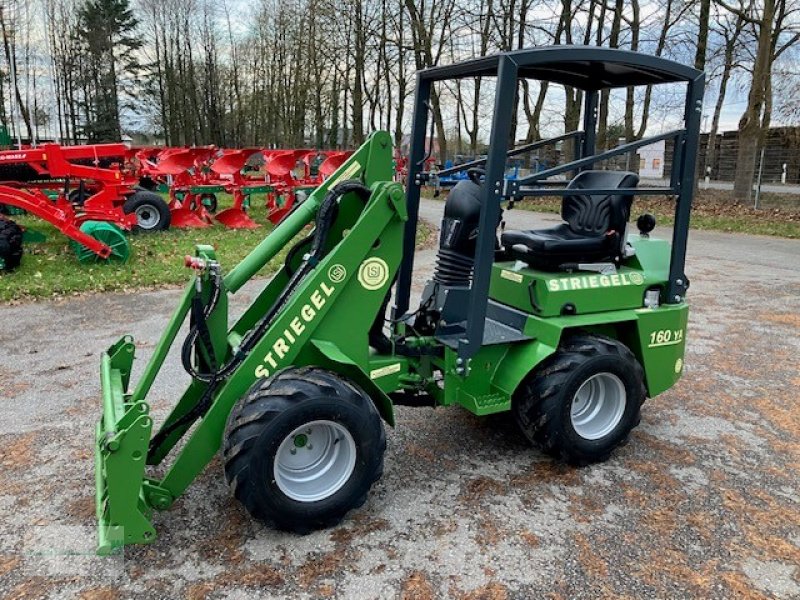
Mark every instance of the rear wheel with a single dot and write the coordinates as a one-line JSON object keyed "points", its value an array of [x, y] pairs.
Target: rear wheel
{"points": [[303, 448], [152, 212], [583, 401], [10, 245]]}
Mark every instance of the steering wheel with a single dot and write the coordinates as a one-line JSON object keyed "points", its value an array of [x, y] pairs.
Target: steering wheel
{"points": [[475, 174]]}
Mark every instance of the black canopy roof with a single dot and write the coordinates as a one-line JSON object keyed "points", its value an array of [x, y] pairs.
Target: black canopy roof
{"points": [[583, 67]]}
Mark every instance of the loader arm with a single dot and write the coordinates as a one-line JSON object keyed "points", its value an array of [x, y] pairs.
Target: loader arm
{"points": [[337, 299]]}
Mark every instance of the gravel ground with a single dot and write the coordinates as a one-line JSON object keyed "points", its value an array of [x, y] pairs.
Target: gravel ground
{"points": [[703, 502]]}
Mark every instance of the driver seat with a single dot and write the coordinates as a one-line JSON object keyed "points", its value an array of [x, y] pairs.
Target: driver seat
{"points": [[593, 231]]}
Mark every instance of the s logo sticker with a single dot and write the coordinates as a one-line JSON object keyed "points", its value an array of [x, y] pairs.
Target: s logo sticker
{"points": [[337, 273], [373, 273]]}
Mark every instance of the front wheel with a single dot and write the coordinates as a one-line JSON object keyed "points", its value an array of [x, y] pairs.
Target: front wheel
{"points": [[303, 448], [583, 401]]}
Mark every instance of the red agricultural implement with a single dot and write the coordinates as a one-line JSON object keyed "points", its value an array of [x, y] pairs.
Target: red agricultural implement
{"points": [[186, 171], [229, 167], [93, 213], [194, 176], [142, 163], [287, 185]]}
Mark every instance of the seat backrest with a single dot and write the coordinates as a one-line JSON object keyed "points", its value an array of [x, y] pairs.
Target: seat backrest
{"points": [[594, 215]]}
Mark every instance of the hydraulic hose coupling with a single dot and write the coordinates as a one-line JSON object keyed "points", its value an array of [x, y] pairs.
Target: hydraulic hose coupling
{"points": [[193, 262]]}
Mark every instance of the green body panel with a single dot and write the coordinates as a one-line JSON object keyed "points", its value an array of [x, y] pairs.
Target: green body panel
{"points": [[660, 344], [547, 294], [610, 305], [655, 336]]}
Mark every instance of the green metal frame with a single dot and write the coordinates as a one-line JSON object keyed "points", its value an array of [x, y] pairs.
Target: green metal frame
{"points": [[125, 495]]}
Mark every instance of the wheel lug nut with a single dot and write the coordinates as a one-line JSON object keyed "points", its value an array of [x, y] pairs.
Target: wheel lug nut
{"points": [[310, 447], [293, 451]]}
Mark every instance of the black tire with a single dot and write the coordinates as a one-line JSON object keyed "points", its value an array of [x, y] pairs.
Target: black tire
{"points": [[542, 404], [152, 212], [209, 201], [266, 416], [10, 244]]}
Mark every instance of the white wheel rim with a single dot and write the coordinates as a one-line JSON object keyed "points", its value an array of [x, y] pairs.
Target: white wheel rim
{"points": [[598, 406], [314, 461], [147, 216]]}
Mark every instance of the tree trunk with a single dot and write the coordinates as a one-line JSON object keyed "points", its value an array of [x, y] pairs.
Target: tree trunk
{"points": [[702, 35], [711, 144], [750, 125], [11, 58]]}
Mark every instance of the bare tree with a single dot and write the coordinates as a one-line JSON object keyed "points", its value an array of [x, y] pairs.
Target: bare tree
{"points": [[767, 21], [9, 48]]}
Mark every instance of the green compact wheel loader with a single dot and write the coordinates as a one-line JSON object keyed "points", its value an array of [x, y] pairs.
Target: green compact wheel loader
{"points": [[570, 328]]}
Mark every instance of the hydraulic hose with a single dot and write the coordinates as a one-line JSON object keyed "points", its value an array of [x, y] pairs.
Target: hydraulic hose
{"points": [[326, 216], [199, 329]]}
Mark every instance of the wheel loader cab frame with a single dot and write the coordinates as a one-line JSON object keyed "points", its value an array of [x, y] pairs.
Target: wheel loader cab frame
{"points": [[589, 69]]}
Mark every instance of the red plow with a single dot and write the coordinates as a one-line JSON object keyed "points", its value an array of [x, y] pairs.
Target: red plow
{"points": [[93, 213], [93, 193], [184, 169], [230, 168], [289, 186]]}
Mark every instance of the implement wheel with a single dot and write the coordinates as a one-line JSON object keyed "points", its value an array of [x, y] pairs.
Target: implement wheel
{"points": [[152, 212], [110, 235], [303, 448], [10, 245], [583, 401]]}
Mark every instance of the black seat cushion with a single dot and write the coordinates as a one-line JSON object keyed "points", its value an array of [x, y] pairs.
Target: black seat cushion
{"points": [[594, 230]]}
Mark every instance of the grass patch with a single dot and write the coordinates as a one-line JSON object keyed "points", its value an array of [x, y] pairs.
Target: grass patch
{"points": [[713, 210], [51, 270]]}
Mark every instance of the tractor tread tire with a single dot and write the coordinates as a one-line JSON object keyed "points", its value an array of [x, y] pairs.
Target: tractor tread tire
{"points": [[542, 403], [10, 244], [253, 431], [143, 197]]}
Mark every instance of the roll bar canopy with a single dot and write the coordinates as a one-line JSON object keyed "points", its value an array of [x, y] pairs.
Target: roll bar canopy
{"points": [[588, 68], [584, 67]]}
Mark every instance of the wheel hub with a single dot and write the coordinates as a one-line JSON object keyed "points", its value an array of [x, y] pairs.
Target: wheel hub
{"points": [[314, 461], [598, 406], [147, 216]]}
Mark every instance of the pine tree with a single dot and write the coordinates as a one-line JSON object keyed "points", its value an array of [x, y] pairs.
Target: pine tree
{"points": [[107, 31]]}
